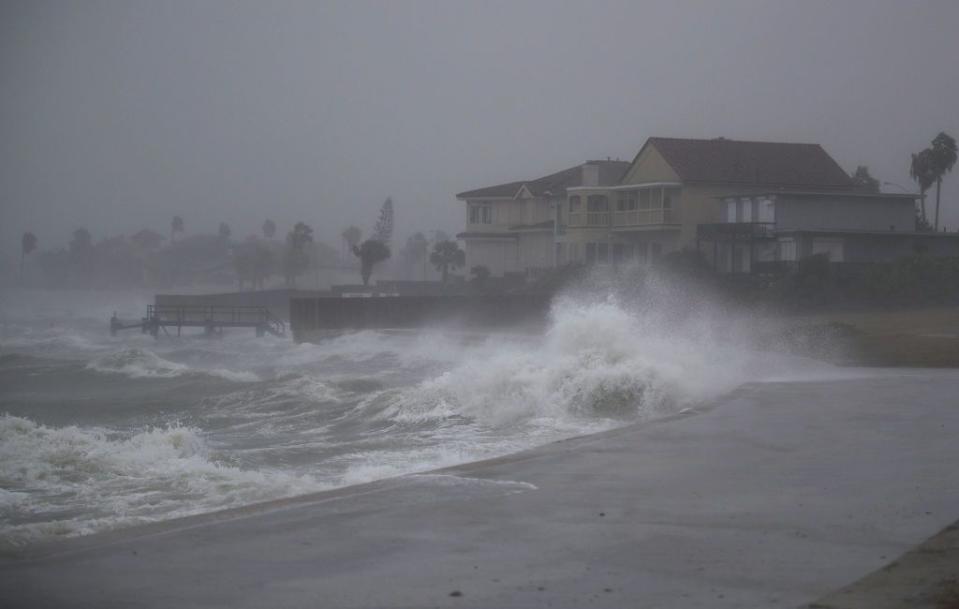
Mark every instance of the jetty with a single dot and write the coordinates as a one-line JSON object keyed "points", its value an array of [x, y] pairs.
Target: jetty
{"points": [[212, 318]]}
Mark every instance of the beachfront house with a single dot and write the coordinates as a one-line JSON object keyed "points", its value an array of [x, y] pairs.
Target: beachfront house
{"points": [[674, 185], [745, 206], [511, 228]]}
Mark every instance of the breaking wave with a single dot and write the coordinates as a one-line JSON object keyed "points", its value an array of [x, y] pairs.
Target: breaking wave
{"points": [[598, 363], [140, 363], [349, 410], [73, 480]]}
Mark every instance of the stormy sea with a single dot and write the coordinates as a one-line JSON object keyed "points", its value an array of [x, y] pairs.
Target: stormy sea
{"points": [[101, 432]]}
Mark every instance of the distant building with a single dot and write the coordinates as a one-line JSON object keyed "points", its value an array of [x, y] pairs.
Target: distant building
{"points": [[740, 203]]}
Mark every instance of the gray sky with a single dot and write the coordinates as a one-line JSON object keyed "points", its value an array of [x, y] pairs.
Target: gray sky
{"points": [[117, 115]]}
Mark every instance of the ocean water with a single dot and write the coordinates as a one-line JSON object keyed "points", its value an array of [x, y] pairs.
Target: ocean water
{"points": [[101, 432]]}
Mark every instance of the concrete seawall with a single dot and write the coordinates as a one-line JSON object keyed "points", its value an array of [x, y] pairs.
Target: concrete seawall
{"points": [[775, 496], [311, 318]]}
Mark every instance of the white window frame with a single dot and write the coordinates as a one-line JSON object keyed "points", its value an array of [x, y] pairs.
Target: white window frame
{"points": [[481, 214], [731, 205], [787, 249], [767, 211]]}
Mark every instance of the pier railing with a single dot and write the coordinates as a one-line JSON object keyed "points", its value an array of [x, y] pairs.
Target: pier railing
{"points": [[210, 317]]}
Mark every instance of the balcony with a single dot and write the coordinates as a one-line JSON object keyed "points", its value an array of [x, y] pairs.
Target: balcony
{"points": [[589, 218], [726, 231], [645, 217]]}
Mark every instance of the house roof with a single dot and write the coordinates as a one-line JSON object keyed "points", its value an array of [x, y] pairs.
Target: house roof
{"points": [[610, 172], [770, 164], [801, 194]]}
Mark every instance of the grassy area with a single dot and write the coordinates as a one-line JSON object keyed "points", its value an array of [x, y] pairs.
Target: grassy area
{"points": [[927, 337]]}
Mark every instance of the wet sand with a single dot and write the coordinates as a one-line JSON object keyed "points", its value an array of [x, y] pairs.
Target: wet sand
{"points": [[774, 496]]}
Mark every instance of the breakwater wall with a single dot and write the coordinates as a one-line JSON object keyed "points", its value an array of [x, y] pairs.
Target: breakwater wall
{"points": [[277, 301], [314, 318]]}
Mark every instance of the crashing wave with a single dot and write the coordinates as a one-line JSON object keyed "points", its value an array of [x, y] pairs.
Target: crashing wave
{"points": [[83, 479], [140, 363]]}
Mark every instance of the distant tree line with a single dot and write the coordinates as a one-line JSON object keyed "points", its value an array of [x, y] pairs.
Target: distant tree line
{"points": [[147, 258]]}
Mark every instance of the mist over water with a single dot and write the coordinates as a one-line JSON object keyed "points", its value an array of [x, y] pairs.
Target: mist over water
{"points": [[99, 432]]}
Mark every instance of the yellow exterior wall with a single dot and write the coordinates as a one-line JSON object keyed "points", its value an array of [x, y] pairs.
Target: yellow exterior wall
{"points": [[650, 166]]}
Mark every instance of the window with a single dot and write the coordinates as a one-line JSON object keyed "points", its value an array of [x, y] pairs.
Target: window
{"points": [[481, 214], [619, 253], [746, 210], [626, 201], [669, 195], [787, 249], [574, 204], [655, 249], [830, 247], [597, 203], [644, 198], [602, 253], [730, 210], [656, 198], [767, 211]]}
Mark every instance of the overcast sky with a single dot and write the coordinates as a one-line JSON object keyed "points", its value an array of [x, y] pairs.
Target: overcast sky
{"points": [[117, 115]]}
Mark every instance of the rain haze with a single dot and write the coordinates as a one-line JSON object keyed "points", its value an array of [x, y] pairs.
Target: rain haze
{"points": [[479, 304], [117, 115]]}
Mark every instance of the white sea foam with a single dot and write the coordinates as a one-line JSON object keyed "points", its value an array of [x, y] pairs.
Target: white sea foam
{"points": [[598, 364], [88, 479], [354, 409]]}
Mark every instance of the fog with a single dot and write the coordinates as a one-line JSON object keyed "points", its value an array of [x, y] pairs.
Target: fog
{"points": [[117, 115]]}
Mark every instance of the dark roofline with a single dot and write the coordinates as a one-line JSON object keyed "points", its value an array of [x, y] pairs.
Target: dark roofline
{"points": [[654, 139], [479, 192], [489, 235], [832, 193], [881, 233], [539, 186]]}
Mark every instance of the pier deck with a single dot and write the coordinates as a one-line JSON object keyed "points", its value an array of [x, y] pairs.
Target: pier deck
{"points": [[212, 318]]}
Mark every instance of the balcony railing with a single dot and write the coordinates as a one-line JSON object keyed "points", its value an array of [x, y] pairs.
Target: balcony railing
{"points": [[645, 217], [736, 230], [589, 218], [636, 217]]}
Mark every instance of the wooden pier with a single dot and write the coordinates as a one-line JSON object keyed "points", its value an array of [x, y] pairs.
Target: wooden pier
{"points": [[212, 318]]}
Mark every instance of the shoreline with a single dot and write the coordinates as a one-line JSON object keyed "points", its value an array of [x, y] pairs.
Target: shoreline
{"points": [[56, 547], [730, 506]]}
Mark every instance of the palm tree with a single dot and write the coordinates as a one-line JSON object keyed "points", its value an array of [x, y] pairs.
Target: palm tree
{"points": [[371, 252], [864, 180], [943, 159], [446, 255], [383, 231], [176, 226], [27, 245], [351, 236], [923, 172], [269, 228], [297, 259]]}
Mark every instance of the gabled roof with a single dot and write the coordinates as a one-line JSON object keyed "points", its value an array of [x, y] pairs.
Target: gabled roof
{"points": [[610, 172], [767, 164]]}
